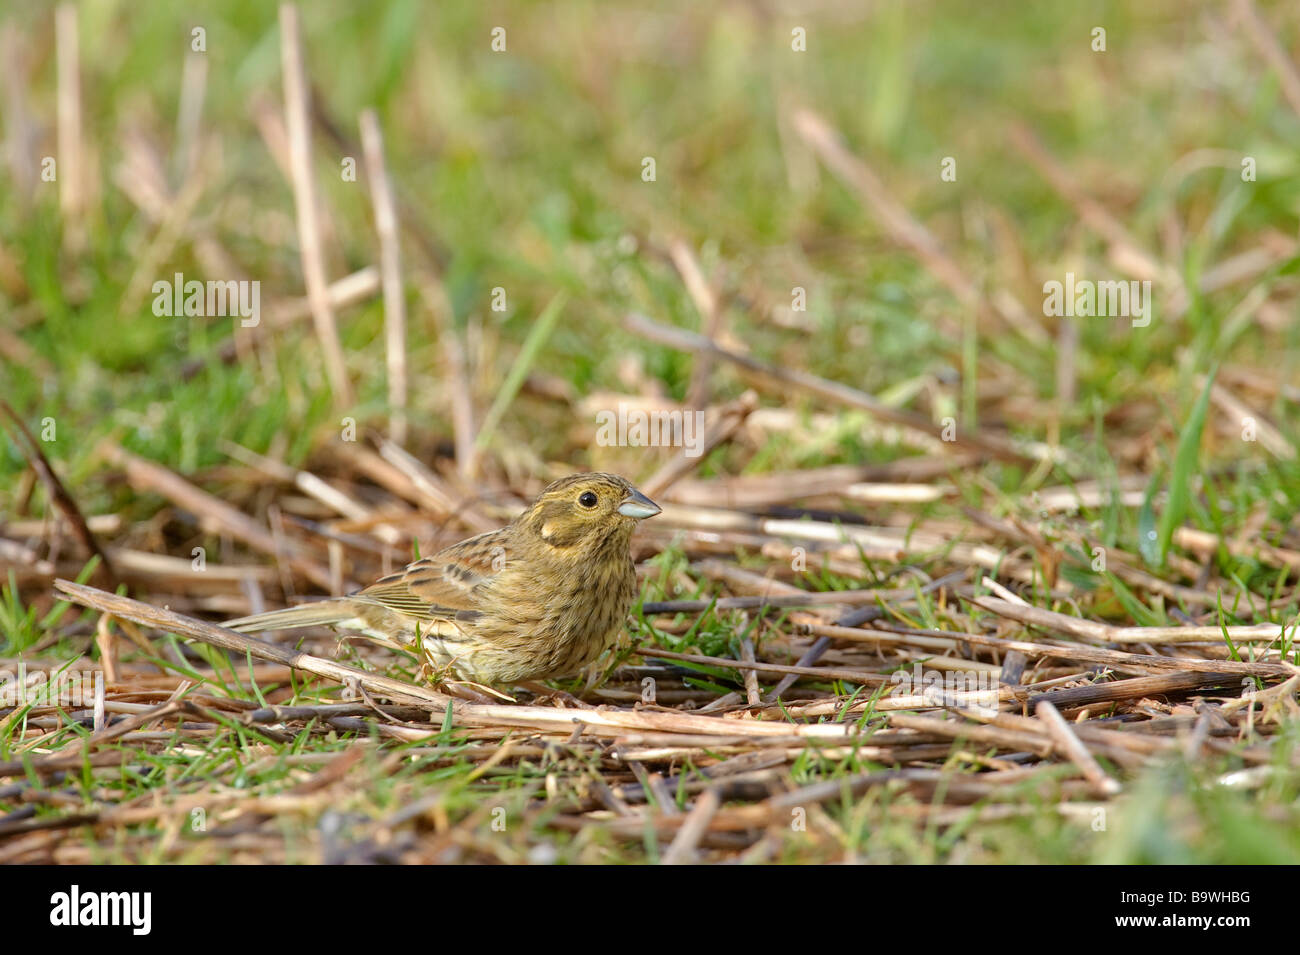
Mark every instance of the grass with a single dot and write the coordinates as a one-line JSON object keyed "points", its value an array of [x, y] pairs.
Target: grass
{"points": [[1172, 813], [523, 171]]}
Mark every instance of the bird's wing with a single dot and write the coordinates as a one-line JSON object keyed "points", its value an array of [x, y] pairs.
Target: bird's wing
{"points": [[444, 585]]}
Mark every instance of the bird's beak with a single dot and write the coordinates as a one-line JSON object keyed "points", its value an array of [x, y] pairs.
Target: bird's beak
{"points": [[636, 505]]}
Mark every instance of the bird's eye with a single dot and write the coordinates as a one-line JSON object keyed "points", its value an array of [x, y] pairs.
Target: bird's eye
{"points": [[588, 499]]}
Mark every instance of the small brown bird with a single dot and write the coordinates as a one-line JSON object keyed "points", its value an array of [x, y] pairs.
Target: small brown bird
{"points": [[542, 597]]}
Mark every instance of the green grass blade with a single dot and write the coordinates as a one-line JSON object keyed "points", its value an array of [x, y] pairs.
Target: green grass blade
{"points": [[537, 336], [1186, 460]]}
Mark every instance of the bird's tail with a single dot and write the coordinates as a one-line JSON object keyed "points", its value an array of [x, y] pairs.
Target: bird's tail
{"points": [[308, 615]]}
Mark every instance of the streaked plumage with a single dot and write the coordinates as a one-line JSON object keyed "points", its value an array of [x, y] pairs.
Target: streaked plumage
{"points": [[542, 597]]}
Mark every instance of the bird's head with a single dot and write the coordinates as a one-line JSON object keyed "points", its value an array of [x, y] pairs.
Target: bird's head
{"points": [[587, 511]]}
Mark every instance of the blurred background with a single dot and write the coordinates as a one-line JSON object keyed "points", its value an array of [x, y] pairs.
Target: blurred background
{"points": [[523, 170]]}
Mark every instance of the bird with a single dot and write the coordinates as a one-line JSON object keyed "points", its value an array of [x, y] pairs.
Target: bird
{"points": [[542, 597]]}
